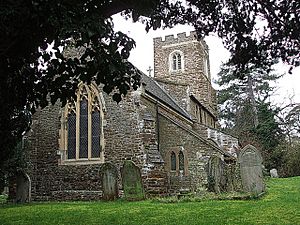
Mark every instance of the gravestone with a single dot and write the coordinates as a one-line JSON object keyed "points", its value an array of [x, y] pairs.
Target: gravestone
{"points": [[132, 181], [109, 181], [221, 175], [274, 173], [250, 161], [23, 189], [214, 174]]}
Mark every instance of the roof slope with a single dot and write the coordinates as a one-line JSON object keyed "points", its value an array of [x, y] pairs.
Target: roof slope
{"points": [[156, 91]]}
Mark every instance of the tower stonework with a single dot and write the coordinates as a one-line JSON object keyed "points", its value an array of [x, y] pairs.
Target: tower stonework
{"points": [[190, 78]]}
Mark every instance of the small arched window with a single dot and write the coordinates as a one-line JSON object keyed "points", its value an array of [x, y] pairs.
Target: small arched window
{"points": [[178, 163], [176, 61], [173, 161]]}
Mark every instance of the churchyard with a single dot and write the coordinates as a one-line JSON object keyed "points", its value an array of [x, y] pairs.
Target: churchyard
{"points": [[280, 205]]}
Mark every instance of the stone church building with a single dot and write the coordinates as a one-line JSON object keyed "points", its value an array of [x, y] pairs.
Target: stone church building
{"points": [[168, 128]]}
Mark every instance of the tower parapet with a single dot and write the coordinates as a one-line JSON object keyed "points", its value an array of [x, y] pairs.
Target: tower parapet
{"points": [[180, 37]]}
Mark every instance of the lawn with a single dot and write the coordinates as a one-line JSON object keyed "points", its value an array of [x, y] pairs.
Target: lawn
{"points": [[281, 205]]}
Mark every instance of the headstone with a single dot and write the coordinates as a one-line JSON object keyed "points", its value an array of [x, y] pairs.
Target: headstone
{"points": [[5, 191], [250, 161], [23, 189], [274, 173], [214, 174], [132, 181], [109, 181]]}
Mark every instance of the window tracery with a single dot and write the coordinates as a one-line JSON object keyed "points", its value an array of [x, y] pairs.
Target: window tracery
{"points": [[82, 135], [176, 61]]}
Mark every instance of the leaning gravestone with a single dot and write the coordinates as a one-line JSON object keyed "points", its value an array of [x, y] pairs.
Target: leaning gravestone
{"points": [[214, 174], [109, 181], [23, 189], [274, 173], [250, 161], [132, 181]]}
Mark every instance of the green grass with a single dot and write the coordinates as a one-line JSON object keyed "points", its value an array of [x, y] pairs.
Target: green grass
{"points": [[281, 205]]}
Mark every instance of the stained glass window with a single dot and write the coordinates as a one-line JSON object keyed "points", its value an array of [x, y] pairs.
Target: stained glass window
{"points": [[72, 135], [84, 126], [96, 134], [173, 161], [83, 142], [181, 160]]}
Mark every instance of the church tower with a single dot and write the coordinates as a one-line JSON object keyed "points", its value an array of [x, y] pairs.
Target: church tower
{"points": [[181, 66]]}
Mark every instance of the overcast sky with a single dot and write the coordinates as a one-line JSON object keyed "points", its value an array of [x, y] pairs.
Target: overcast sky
{"points": [[142, 55]]}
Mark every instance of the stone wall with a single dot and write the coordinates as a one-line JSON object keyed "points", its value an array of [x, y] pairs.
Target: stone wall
{"points": [[197, 153], [153, 172], [51, 180]]}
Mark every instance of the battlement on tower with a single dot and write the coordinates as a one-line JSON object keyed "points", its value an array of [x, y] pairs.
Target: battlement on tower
{"points": [[180, 38]]}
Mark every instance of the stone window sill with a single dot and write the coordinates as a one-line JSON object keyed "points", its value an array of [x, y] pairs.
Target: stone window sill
{"points": [[80, 162], [176, 71]]}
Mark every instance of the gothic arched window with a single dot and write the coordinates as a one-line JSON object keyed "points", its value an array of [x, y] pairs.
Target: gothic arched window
{"points": [[176, 61], [82, 126], [178, 163]]}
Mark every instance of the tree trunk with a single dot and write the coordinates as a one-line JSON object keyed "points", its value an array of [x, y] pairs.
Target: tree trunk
{"points": [[252, 100]]}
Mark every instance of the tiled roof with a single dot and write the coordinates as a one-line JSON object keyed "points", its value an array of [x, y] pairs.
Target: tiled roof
{"points": [[155, 90]]}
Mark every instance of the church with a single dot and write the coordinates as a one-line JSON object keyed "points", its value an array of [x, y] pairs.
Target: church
{"points": [[168, 128]]}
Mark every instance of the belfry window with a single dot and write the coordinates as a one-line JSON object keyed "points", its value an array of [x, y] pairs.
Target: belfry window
{"points": [[82, 126], [176, 61]]}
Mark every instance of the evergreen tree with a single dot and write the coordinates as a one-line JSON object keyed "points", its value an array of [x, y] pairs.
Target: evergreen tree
{"points": [[246, 111]]}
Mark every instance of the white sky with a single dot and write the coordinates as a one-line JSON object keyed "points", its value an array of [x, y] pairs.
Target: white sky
{"points": [[142, 56]]}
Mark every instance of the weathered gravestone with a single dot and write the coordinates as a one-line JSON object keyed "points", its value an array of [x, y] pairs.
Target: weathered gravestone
{"points": [[274, 173], [132, 181], [109, 181], [221, 175], [250, 161], [23, 189], [214, 174]]}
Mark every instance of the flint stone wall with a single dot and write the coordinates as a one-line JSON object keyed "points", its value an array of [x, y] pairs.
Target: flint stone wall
{"points": [[52, 181]]}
